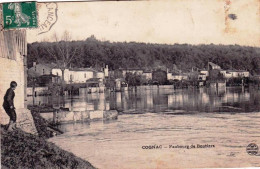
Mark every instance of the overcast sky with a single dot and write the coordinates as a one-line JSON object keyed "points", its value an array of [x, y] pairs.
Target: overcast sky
{"points": [[176, 21]]}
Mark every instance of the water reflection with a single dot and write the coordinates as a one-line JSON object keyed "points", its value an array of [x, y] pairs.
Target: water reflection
{"points": [[153, 99], [118, 143]]}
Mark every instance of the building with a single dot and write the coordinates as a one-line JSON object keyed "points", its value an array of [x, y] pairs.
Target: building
{"points": [[213, 66], [234, 73], [40, 69], [131, 70], [13, 53], [12, 65], [202, 76], [177, 76], [45, 80], [169, 75], [106, 71], [78, 75], [148, 74], [205, 72]]}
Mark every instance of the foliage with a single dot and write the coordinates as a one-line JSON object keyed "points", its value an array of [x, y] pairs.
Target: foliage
{"points": [[133, 79], [23, 150], [215, 75], [184, 57], [159, 76]]}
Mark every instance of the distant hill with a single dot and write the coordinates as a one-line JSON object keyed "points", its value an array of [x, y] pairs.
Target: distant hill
{"points": [[97, 53]]}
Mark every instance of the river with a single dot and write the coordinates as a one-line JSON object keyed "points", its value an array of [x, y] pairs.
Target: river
{"points": [[167, 128]]}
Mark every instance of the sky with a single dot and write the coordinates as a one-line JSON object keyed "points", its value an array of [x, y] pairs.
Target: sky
{"points": [[157, 21]]}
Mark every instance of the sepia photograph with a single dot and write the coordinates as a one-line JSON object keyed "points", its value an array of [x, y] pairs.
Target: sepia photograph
{"points": [[145, 84]]}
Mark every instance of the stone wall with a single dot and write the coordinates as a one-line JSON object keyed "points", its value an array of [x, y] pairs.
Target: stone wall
{"points": [[11, 70], [12, 51]]}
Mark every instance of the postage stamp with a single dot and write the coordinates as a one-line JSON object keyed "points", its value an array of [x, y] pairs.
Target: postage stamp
{"points": [[20, 15]]}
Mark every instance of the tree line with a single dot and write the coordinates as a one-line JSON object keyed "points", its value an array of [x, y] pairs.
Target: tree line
{"points": [[97, 54]]}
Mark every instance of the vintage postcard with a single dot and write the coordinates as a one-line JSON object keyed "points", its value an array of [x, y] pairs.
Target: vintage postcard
{"points": [[156, 84]]}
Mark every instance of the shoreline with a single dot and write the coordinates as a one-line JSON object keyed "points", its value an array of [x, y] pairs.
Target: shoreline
{"points": [[23, 150]]}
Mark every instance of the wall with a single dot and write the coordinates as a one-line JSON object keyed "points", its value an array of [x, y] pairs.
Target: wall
{"points": [[169, 76], [41, 69], [100, 75], [13, 48], [77, 76], [82, 76], [11, 71]]}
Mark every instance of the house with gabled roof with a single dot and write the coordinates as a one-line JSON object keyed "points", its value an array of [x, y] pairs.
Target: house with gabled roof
{"points": [[79, 75], [213, 66], [235, 73], [40, 69]]}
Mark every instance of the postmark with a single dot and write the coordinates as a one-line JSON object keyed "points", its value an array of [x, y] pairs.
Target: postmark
{"points": [[252, 149], [48, 16], [19, 15]]}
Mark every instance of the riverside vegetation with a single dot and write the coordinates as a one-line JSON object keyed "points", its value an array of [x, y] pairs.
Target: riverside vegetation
{"points": [[96, 53], [23, 150]]}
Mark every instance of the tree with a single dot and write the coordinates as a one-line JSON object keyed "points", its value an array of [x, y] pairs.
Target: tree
{"points": [[63, 51], [159, 76]]}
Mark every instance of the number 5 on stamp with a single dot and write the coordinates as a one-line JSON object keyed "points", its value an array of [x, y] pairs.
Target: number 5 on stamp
{"points": [[20, 15]]}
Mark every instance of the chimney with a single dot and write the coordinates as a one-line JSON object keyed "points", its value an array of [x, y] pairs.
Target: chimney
{"points": [[106, 71], [34, 64]]}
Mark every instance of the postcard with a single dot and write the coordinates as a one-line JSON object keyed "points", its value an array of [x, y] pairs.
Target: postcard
{"points": [[130, 84]]}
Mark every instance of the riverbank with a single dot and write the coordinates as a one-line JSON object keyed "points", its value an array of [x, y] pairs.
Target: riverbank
{"points": [[23, 150]]}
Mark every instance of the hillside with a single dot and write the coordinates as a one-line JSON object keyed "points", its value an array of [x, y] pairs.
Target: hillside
{"points": [[95, 53]]}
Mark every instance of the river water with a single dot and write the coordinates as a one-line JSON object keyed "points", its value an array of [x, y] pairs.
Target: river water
{"points": [[166, 128]]}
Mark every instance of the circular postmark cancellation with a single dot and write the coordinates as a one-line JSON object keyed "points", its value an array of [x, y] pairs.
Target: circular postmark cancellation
{"points": [[47, 16], [252, 149]]}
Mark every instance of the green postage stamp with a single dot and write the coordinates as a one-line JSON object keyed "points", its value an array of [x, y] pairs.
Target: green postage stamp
{"points": [[20, 15]]}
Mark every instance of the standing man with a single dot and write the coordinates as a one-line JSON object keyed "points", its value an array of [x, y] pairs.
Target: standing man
{"points": [[9, 105]]}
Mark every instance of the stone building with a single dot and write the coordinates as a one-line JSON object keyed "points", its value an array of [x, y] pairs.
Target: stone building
{"points": [[13, 51]]}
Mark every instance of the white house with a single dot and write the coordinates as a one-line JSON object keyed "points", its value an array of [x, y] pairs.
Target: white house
{"points": [[235, 73], [132, 70], [205, 72], [177, 76], [213, 66], [202, 76], [169, 76], [148, 75], [79, 75]]}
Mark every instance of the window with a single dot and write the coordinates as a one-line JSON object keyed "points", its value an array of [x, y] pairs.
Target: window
{"points": [[43, 71], [85, 75]]}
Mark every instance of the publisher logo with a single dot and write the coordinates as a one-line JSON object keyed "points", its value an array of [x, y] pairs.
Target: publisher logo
{"points": [[252, 149]]}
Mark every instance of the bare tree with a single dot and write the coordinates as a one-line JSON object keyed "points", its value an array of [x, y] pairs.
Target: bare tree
{"points": [[63, 51]]}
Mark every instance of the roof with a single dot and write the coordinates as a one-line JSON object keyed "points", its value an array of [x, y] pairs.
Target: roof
{"points": [[32, 73], [129, 69], [179, 74], [237, 71], [49, 65], [84, 69], [50, 75], [93, 80], [213, 64], [147, 71], [120, 79]]}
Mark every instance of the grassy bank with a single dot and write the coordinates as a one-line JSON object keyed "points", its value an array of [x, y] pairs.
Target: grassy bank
{"points": [[23, 150]]}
